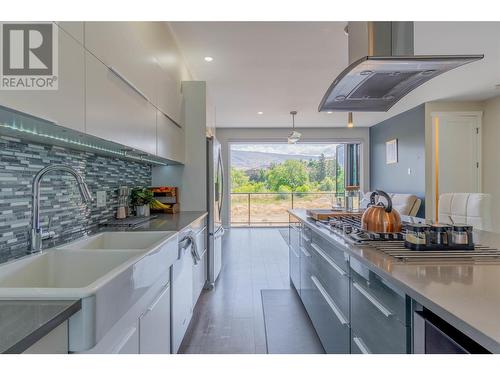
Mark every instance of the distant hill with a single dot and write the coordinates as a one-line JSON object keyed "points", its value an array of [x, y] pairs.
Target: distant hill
{"points": [[255, 159]]}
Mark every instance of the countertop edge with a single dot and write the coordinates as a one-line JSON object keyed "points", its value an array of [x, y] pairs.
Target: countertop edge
{"points": [[45, 329], [203, 215], [478, 336]]}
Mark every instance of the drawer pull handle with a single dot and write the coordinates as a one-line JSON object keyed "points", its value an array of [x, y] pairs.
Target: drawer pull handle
{"points": [[328, 260], [329, 300], [293, 251], [305, 252], [373, 300], [361, 345], [128, 83]]}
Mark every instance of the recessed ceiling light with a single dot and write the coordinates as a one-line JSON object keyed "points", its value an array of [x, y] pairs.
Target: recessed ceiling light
{"points": [[209, 59], [260, 113], [329, 112]]}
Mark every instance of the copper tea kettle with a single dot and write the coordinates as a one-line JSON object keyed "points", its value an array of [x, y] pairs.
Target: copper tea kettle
{"points": [[381, 218]]}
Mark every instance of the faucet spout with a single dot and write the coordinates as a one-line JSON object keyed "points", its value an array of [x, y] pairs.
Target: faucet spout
{"points": [[37, 234]]}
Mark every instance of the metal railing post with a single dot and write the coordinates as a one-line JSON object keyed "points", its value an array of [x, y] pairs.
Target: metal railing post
{"points": [[248, 209]]}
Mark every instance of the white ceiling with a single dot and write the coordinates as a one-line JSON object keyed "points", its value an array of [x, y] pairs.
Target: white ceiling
{"points": [[276, 67]]}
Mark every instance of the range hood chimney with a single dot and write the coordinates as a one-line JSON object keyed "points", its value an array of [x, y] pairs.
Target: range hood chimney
{"points": [[382, 68]]}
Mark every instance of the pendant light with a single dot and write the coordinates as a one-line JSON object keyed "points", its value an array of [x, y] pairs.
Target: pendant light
{"points": [[350, 123], [294, 135]]}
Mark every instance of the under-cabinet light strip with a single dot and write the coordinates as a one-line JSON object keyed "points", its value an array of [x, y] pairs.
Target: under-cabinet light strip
{"points": [[82, 144]]}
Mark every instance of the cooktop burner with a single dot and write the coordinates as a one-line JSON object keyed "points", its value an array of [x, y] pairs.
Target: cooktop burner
{"points": [[350, 227]]}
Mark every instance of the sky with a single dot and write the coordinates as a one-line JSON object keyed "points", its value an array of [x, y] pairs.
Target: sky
{"points": [[288, 149]]}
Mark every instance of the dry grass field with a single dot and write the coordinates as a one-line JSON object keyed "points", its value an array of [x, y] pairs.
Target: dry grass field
{"points": [[271, 209]]}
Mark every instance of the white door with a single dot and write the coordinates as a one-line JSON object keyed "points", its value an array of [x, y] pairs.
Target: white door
{"points": [[456, 153]]}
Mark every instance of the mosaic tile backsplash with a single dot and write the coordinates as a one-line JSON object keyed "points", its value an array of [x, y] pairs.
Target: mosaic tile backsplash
{"points": [[60, 199]]}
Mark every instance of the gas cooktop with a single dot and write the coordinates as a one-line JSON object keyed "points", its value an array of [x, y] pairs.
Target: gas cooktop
{"points": [[392, 244]]}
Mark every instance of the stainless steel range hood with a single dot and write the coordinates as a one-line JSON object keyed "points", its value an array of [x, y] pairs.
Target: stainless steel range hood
{"points": [[383, 68]]}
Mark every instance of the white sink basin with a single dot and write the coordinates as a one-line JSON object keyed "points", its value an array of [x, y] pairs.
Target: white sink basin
{"points": [[109, 272], [119, 241], [66, 269]]}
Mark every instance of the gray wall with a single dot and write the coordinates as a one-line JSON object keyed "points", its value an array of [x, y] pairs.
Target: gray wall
{"points": [[21, 160], [409, 129], [226, 136]]}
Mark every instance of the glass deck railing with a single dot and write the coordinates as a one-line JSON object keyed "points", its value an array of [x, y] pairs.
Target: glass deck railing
{"points": [[271, 209]]}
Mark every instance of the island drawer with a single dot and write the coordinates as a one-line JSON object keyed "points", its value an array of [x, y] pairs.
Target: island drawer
{"points": [[375, 324], [378, 292], [334, 279], [331, 325], [336, 254], [294, 259], [294, 235], [306, 234]]}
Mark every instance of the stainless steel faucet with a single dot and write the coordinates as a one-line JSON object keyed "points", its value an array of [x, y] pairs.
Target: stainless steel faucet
{"points": [[37, 234]]}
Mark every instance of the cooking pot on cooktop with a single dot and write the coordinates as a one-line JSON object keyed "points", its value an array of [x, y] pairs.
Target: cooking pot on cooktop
{"points": [[380, 217]]}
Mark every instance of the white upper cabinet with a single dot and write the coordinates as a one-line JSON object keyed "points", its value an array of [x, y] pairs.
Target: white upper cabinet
{"points": [[115, 111], [120, 47], [64, 106], [171, 142], [170, 71], [75, 29]]}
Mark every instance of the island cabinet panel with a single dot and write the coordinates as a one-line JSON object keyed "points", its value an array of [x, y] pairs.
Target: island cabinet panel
{"points": [[378, 313], [294, 254], [327, 307], [332, 274], [352, 308]]}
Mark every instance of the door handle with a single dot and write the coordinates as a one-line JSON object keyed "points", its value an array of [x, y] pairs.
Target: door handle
{"points": [[128, 83], [305, 252], [328, 260], [329, 301], [361, 345], [373, 300]]}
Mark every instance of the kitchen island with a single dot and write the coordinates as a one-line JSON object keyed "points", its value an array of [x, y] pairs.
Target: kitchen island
{"points": [[465, 294]]}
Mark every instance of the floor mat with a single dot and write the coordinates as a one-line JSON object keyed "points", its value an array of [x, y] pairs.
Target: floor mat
{"points": [[284, 233], [288, 328]]}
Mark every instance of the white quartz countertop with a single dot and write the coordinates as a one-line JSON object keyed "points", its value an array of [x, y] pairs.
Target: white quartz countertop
{"points": [[466, 294]]}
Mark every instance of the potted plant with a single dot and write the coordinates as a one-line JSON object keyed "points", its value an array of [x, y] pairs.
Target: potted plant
{"points": [[140, 199]]}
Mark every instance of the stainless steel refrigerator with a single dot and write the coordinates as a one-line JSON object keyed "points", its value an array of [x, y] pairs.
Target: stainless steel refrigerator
{"points": [[215, 196]]}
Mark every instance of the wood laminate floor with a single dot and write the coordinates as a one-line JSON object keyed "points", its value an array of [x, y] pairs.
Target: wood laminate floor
{"points": [[229, 319]]}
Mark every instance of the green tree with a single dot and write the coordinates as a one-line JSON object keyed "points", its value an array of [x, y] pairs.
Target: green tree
{"points": [[313, 166], [321, 167], [238, 179], [291, 173], [328, 184]]}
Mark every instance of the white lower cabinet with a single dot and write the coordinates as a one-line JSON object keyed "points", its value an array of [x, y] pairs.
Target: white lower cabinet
{"points": [[199, 277], [129, 343], [154, 326], [182, 297]]}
